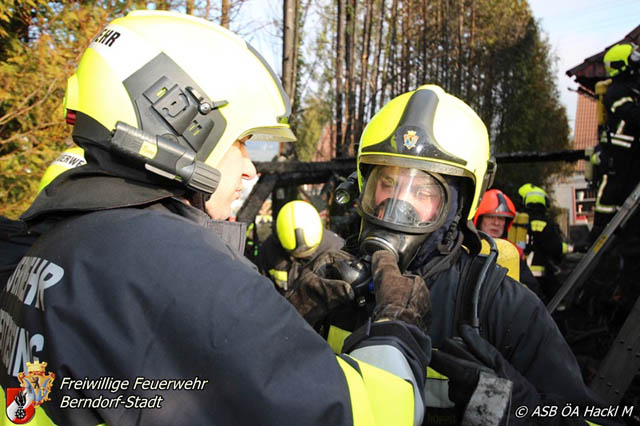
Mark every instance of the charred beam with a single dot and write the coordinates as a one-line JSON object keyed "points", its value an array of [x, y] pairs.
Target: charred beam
{"points": [[347, 165], [254, 201], [339, 166], [292, 173], [538, 157]]}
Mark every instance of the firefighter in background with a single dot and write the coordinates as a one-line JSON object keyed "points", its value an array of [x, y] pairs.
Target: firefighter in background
{"points": [[299, 239], [423, 163], [495, 216], [619, 150], [546, 246]]}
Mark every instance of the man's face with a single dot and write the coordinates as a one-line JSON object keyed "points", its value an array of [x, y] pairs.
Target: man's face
{"points": [[418, 189], [234, 166], [493, 225]]}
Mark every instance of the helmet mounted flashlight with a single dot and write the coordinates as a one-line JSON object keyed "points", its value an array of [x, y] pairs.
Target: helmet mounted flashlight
{"points": [[165, 157]]}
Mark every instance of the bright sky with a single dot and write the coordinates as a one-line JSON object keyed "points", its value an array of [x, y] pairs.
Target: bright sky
{"points": [[578, 29]]}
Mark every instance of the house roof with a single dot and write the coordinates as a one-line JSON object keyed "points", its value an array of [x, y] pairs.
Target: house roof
{"points": [[591, 70]]}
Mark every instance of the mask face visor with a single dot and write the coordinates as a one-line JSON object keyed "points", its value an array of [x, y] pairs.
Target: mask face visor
{"points": [[405, 199]]}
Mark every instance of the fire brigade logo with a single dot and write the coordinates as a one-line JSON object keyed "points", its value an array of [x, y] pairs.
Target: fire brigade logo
{"points": [[35, 387], [410, 139]]}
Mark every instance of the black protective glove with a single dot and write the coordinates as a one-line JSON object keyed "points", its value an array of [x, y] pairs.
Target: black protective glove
{"points": [[463, 361], [314, 294], [399, 297]]}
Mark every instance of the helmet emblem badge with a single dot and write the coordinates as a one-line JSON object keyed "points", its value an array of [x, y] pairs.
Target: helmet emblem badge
{"points": [[410, 139]]}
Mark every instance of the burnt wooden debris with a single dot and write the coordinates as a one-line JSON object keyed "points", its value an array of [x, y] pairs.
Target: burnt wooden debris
{"points": [[279, 174]]}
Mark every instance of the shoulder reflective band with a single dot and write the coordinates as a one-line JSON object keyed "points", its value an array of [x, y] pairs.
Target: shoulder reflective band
{"points": [[538, 225]]}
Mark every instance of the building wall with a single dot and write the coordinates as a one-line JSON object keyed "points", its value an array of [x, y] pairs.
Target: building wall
{"points": [[586, 126], [571, 193]]}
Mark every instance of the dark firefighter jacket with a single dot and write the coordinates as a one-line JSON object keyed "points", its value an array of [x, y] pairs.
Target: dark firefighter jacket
{"points": [[130, 283], [516, 322], [283, 269], [623, 108], [15, 240], [620, 151], [545, 242]]}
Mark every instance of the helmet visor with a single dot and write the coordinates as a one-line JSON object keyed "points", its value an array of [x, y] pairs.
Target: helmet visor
{"points": [[406, 199]]}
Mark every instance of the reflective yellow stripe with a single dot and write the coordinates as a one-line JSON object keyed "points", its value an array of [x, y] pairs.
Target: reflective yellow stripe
{"points": [[336, 338], [280, 278], [360, 404], [377, 396], [565, 248], [433, 374], [538, 225], [537, 270], [592, 424], [619, 103], [599, 207], [40, 418], [392, 398], [618, 142]]}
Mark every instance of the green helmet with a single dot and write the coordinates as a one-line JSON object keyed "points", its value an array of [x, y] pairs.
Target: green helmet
{"points": [[299, 228], [619, 58], [181, 77], [532, 194], [69, 159]]}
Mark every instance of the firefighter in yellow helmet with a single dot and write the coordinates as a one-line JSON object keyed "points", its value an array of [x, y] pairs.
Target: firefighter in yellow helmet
{"points": [[139, 282], [619, 149], [423, 164], [299, 239], [545, 246]]}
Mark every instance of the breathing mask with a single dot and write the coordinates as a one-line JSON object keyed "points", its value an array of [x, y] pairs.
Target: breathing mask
{"points": [[400, 207]]}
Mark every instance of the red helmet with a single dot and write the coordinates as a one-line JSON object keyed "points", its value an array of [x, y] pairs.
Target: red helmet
{"points": [[496, 203]]}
